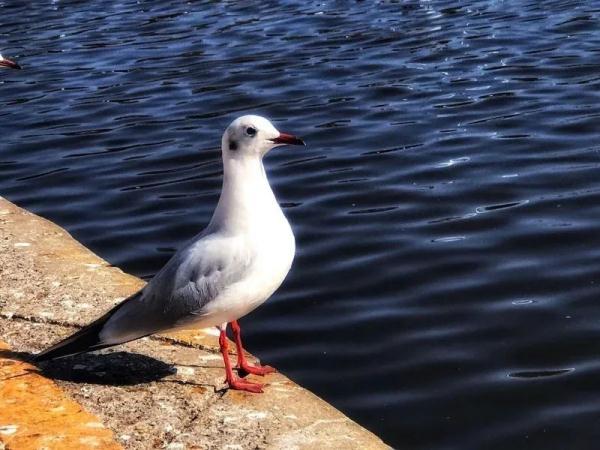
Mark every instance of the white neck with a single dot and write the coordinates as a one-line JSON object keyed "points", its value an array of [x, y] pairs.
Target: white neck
{"points": [[246, 196]]}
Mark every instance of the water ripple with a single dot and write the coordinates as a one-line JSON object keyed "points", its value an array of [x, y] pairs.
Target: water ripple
{"points": [[445, 209]]}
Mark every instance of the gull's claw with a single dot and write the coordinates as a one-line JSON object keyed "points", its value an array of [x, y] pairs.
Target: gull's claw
{"points": [[242, 385], [256, 370]]}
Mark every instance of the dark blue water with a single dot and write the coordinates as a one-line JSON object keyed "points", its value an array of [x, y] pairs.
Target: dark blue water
{"points": [[446, 291]]}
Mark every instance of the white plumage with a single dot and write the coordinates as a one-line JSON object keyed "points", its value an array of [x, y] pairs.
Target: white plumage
{"points": [[223, 273]]}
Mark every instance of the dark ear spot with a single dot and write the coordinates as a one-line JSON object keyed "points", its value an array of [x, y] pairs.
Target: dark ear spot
{"points": [[233, 145]]}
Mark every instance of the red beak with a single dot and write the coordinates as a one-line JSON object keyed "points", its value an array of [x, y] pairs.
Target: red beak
{"points": [[8, 63], [290, 139]]}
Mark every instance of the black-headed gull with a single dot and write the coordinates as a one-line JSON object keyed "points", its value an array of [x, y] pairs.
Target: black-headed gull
{"points": [[223, 273]]}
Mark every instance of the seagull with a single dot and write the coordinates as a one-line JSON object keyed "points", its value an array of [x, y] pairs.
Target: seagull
{"points": [[4, 62], [234, 265]]}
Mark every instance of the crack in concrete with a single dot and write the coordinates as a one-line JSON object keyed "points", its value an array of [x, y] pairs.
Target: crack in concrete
{"points": [[47, 321], [172, 340], [17, 376], [34, 319], [189, 383]]}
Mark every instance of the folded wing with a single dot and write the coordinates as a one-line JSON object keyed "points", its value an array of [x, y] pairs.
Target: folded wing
{"points": [[192, 278]]}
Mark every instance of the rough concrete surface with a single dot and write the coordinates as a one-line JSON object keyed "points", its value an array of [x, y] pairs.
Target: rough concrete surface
{"points": [[63, 424], [157, 392]]}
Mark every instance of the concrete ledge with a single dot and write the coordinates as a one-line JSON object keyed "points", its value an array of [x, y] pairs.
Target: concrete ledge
{"points": [[158, 392], [35, 413]]}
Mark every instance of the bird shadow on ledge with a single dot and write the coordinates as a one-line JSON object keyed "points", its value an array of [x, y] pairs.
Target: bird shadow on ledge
{"points": [[112, 369]]}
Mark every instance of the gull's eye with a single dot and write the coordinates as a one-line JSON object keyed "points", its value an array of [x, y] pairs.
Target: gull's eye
{"points": [[250, 131]]}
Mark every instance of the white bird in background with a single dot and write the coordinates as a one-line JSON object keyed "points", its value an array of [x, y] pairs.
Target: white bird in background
{"points": [[4, 62], [223, 273]]}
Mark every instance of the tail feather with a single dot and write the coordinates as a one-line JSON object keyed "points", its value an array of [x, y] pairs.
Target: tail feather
{"points": [[85, 340]]}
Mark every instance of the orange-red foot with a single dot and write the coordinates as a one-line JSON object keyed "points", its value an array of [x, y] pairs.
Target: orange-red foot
{"points": [[257, 370], [242, 385]]}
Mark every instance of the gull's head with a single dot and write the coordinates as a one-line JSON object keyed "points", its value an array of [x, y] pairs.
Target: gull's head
{"points": [[4, 62], [253, 136]]}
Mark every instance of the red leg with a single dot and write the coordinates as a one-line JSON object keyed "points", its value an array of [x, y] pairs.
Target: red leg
{"points": [[242, 362], [233, 381]]}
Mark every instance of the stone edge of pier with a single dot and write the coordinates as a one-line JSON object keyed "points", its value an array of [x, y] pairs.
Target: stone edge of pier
{"points": [[160, 392]]}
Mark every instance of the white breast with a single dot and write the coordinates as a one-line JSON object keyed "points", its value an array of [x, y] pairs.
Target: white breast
{"points": [[249, 214], [273, 248]]}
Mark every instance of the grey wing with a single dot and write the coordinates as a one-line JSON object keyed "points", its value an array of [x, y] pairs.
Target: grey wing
{"points": [[194, 277], [189, 299]]}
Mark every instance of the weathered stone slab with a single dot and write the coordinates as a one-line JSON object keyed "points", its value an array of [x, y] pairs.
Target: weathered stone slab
{"points": [[35, 413], [157, 392]]}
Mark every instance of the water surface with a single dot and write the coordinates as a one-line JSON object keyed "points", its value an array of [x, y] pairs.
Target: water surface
{"points": [[446, 288]]}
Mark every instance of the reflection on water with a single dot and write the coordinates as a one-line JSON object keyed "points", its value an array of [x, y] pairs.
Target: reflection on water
{"points": [[446, 209]]}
